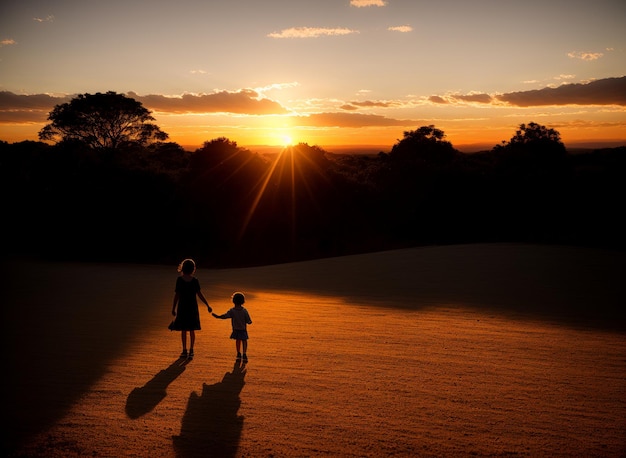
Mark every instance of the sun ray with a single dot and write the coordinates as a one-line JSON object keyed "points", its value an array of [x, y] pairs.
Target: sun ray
{"points": [[292, 175]]}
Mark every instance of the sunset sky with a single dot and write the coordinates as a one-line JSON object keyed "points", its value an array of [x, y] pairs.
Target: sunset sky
{"points": [[324, 72]]}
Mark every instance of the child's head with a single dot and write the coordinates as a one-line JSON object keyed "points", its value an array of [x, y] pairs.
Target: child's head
{"points": [[238, 298], [187, 267]]}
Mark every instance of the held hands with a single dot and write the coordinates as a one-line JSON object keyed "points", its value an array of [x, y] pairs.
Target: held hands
{"points": [[209, 308], [215, 315]]}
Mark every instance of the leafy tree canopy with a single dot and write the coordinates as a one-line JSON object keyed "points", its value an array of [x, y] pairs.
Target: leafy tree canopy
{"points": [[425, 144], [102, 121], [533, 136]]}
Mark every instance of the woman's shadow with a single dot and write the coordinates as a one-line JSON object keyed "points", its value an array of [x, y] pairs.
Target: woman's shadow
{"points": [[211, 426], [142, 400]]}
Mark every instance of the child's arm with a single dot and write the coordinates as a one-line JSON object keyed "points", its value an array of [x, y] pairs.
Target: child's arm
{"points": [[221, 317]]}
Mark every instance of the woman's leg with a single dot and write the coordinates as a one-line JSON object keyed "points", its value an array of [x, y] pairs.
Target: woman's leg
{"points": [[183, 338], [192, 339]]}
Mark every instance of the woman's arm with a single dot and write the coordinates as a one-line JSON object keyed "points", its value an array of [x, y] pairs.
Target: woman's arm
{"points": [[201, 296], [174, 304]]}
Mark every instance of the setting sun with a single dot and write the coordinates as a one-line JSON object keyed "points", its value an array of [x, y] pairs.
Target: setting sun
{"points": [[287, 140]]}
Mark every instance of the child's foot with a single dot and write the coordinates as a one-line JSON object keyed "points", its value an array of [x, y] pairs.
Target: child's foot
{"points": [[190, 354], [245, 357], [238, 355], [183, 354]]}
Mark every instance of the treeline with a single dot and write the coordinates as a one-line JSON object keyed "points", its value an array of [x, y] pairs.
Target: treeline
{"points": [[228, 206]]}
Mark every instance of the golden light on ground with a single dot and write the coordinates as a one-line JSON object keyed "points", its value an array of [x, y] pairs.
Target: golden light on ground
{"points": [[422, 371]]}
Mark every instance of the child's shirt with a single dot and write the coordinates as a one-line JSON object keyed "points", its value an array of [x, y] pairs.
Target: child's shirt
{"points": [[239, 318]]}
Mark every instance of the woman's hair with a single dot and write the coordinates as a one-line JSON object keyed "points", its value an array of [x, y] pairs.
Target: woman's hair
{"points": [[187, 266]]}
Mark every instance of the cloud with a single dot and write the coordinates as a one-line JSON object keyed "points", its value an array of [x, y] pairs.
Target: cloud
{"points": [[608, 91], [311, 32], [365, 3], [35, 108], [276, 86], [461, 98], [369, 104], [353, 120], [582, 55], [18, 109], [474, 98], [438, 99], [245, 101], [7, 42], [11, 101], [49, 18], [401, 28]]}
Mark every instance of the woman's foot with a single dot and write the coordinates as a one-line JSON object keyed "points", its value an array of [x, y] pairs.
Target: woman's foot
{"points": [[183, 354], [190, 354]]}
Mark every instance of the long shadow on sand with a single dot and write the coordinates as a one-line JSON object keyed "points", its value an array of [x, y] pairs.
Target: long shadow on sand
{"points": [[143, 399], [63, 325], [211, 426]]}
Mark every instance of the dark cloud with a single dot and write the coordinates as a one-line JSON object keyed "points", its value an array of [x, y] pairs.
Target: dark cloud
{"points": [[437, 99], [609, 91], [475, 98], [245, 101], [20, 109], [10, 101], [36, 107]]}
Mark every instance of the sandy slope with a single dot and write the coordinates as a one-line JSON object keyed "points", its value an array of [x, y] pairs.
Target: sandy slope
{"points": [[444, 351]]}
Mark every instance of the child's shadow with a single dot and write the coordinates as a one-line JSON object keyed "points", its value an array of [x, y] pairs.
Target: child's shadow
{"points": [[211, 426], [142, 400]]}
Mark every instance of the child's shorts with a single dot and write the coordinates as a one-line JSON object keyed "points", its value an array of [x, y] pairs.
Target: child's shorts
{"points": [[239, 334]]}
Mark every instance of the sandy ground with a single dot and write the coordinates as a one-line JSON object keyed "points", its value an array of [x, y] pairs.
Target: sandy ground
{"points": [[478, 350]]}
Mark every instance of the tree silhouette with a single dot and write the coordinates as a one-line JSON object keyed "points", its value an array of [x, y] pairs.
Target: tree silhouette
{"points": [[535, 142], [102, 121], [534, 133], [426, 144]]}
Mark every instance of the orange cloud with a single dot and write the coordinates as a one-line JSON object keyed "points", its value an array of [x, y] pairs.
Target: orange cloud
{"points": [[310, 32], [582, 55], [349, 120], [365, 3], [401, 28], [369, 104], [245, 101]]}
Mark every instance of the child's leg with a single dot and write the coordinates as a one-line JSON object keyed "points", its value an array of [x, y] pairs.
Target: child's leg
{"points": [[245, 346], [238, 345]]}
